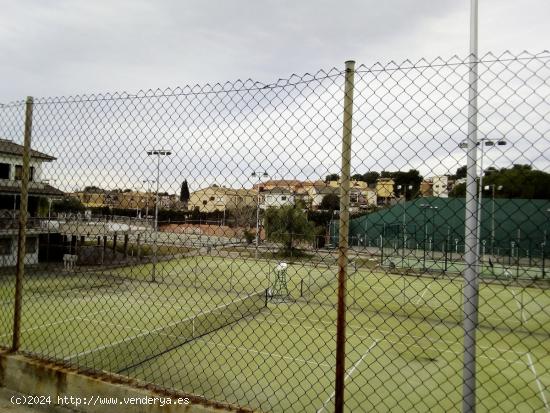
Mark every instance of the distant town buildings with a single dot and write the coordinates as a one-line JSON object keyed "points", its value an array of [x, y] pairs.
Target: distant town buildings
{"points": [[217, 198], [93, 197], [270, 193]]}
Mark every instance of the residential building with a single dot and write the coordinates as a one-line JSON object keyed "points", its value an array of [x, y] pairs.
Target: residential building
{"points": [[319, 191], [288, 184], [217, 198], [440, 186], [91, 199], [362, 198], [276, 197], [385, 190], [11, 172], [171, 202], [426, 188]]}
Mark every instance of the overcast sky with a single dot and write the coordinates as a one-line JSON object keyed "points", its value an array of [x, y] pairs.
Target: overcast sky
{"points": [[67, 47]]}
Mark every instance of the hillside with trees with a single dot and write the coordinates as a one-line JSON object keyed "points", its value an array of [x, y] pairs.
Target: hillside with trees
{"points": [[519, 181]]}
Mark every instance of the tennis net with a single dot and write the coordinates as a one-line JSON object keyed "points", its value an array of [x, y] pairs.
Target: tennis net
{"points": [[135, 350]]}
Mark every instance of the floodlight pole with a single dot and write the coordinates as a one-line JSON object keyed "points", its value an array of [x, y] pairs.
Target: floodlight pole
{"points": [[259, 176], [471, 241], [158, 153], [148, 182], [493, 187]]}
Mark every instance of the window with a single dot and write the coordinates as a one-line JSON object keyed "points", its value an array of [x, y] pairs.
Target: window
{"points": [[212, 198], [283, 198], [204, 202], [354, 198], [5, 246], [4, 171], [19, 172], [30, 248]]}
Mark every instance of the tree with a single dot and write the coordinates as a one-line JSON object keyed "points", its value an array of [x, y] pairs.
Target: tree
{"points": [[519, 181], [332, 177], [93, 189], [184, 194], [371, 177], [243, 215], [288, 225], [459, 191], [460, 173], [330, 202], [68, 204]]}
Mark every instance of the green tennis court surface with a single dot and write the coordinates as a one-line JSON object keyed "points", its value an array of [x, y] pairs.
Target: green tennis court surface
{"points": [[207, 316], [293, 344]]}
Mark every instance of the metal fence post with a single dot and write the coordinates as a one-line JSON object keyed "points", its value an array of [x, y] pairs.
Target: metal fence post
{"points": [[343, 241], [21, 241], [471, 241], [542, 253]]}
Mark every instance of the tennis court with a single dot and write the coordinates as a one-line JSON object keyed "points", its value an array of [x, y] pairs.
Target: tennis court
{"points": [[386, 355], [113, 325], [209, 320]]}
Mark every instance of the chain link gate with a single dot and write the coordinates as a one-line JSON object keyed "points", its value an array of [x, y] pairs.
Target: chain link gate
{"points": [[189, 237]]}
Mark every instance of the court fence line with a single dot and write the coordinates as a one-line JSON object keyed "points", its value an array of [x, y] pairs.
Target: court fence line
{"points": [[285, 226]]}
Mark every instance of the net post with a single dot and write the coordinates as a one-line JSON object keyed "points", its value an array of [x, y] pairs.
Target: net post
{"points": [[21, 240], [343, 238]]}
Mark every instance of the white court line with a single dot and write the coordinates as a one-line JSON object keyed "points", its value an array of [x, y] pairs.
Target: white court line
{"points": [[423, 292], [539, 384], [501, 350], [530, 360], [110, 324], [265, 353], [55, 323], [348, 375], [149, 300], [158, 330], [403, 335]]}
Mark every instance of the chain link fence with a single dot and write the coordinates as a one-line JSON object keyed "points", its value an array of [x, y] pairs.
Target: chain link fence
{"points": [[190, 237]]}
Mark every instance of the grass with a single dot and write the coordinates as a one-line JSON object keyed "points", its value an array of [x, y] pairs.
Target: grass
{"points": [[404, 350]]}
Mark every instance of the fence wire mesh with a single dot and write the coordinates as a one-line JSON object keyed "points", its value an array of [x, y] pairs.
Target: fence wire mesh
{"points": [[188, 237]]}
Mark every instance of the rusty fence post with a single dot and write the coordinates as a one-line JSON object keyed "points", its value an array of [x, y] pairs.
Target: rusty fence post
{"points": [[343, 239], [21, 240]]}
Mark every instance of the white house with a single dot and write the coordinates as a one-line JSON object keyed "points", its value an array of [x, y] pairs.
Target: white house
{"points": [[319, 191], [440, 186], [11, 161], [276, 197]]}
